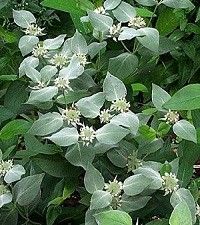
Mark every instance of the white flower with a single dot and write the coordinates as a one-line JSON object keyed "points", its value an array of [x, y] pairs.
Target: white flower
{"points": [[105, 116], [197, 210], [120, 105], [5, 166], [40, 51], [82, 59], [34, 29], [114, 187], [59, 60], [72, 115], [137, 22], [171, 117], [115, 31], [87, 134], [100, 10], [170, 183], [62, 83], [39, 86], [133, 162]]}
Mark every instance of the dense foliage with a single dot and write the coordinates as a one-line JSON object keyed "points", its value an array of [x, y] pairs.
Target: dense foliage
{"points": [[99, 112]]}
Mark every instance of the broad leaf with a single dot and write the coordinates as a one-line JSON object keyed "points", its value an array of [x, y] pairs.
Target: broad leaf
{"points": [[23, 18], [27, 43], [113, 88], [100, 199], [185, 130], [124, 12], [111, 4]]}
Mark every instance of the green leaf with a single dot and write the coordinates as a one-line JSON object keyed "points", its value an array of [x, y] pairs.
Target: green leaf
{"points": [[183, 4], [159, 97], [185, 130], [125, 60], [150, 39], [183, 194], [188, 98], [90, 106], [147, 2], [14, 174], [100, 199], [113, 88], [93, 179], [27, 189], [113, 217], [46, 124], [14, 128], [65, 137], [167, 21], [23, 18], [136, 184], [181, 215], [111, 4], [100, 22], [111, 134], [79, 155], [124, 12], [56, 166], [3, 3], [94, 48]]}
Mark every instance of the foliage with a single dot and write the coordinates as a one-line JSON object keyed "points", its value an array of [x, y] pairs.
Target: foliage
{"points": [[99, 112]]}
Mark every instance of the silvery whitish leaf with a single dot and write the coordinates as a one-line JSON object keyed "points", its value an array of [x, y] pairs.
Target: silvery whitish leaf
{"points": [[124, 12], [47, 73], [159, 97], [14, 174], [147, 2], [55, 43], [128, 34], [33, 74], [79, 44], [46, 124], [90, 106], [73, 70], [113, 88], [149, 39], [65, 137], [5, 199], [27, 43], [111, 4], [94, 48], [29, 61], [42, 95], [100, 199], [111, 134], [23, 18], [185, 130], [100, 22], [127, 119]]}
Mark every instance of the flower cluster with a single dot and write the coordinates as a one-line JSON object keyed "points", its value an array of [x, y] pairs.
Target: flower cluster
{"points": [[34, 29], [87, 134], [120, 105], [100, 10], [5, 166], [171, 117], [72, 115], [133, 162], [115, 31], [170, 183], [137, 22]]}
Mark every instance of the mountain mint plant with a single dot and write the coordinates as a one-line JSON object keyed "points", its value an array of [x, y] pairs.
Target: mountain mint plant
{"points": [[88, 144]]}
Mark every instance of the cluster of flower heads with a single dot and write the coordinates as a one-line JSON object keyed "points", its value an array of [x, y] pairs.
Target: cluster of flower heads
{"points": [[170, 183], [72, 116], [115, 188], [115, 30], [5, 166], [171, 117]]}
